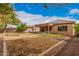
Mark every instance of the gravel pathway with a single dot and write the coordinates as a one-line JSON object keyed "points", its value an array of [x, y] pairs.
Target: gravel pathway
{"points": [[71, 49]]}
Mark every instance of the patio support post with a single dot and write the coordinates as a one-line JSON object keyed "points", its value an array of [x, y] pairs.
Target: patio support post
{"points": [[35, 29], [44, 28], [48, 28]]}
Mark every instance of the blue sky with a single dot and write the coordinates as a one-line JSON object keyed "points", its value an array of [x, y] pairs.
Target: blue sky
{"points": [[31, 13]]}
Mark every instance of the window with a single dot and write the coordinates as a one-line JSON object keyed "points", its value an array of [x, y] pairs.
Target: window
{"points": [[62, 28]]}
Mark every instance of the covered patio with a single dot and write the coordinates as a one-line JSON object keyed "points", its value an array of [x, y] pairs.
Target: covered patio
{"points": [[45, 27], [64, 27]]}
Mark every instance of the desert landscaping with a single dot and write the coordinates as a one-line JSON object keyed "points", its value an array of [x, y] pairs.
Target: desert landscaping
{"points": [[45, 32], [29, 43]]}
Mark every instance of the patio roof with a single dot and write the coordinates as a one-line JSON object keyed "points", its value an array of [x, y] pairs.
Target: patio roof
{"points": [[61, 21], [58, 22]]}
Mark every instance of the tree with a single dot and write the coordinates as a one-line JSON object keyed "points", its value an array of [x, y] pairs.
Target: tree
{"points": [[21, 27], [7, 14], [2, 26]]}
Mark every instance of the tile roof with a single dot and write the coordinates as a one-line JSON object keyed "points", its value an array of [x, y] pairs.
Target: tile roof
{"points": [[58, 22], [61, 21]]}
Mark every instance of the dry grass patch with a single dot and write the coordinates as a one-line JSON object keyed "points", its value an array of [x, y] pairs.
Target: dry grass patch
{"points": [[12, 36], [29, 45]]}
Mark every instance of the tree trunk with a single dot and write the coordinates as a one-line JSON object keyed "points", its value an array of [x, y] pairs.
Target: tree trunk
{"points": [[5, 27]]}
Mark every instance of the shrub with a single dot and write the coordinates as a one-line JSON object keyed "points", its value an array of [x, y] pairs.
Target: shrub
{"points": [[21, 27], [77, 29]]}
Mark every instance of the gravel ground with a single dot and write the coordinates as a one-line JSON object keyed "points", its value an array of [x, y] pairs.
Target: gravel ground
{"points": [[71, 49], [1, 46]]}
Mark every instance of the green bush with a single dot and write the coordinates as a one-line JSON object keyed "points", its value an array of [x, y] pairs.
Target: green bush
{"points": [[77, 27], [21, 27], [77, 30]]}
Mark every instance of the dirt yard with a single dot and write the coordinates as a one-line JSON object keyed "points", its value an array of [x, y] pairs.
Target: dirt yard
{"points": [[27, 44]]}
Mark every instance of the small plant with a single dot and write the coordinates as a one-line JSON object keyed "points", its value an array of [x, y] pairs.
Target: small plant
{"points": [[77, 29], [21, 27]]}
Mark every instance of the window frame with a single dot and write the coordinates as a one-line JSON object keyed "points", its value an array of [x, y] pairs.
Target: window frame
{"points": [[62, 28]]}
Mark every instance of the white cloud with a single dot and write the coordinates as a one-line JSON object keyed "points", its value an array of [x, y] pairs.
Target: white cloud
{"points": [[32, 19], [74, 11], [68, 18]]}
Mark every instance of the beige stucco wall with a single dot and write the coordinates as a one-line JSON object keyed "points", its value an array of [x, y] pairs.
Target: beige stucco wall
{"points": [[37, 29], [33, 29], [29, 30], [70, 29], [69, 32]]}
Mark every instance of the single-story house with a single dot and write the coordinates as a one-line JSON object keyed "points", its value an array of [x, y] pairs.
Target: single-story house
{"points": [[65, 27], [33, 29], [11, 28]]}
